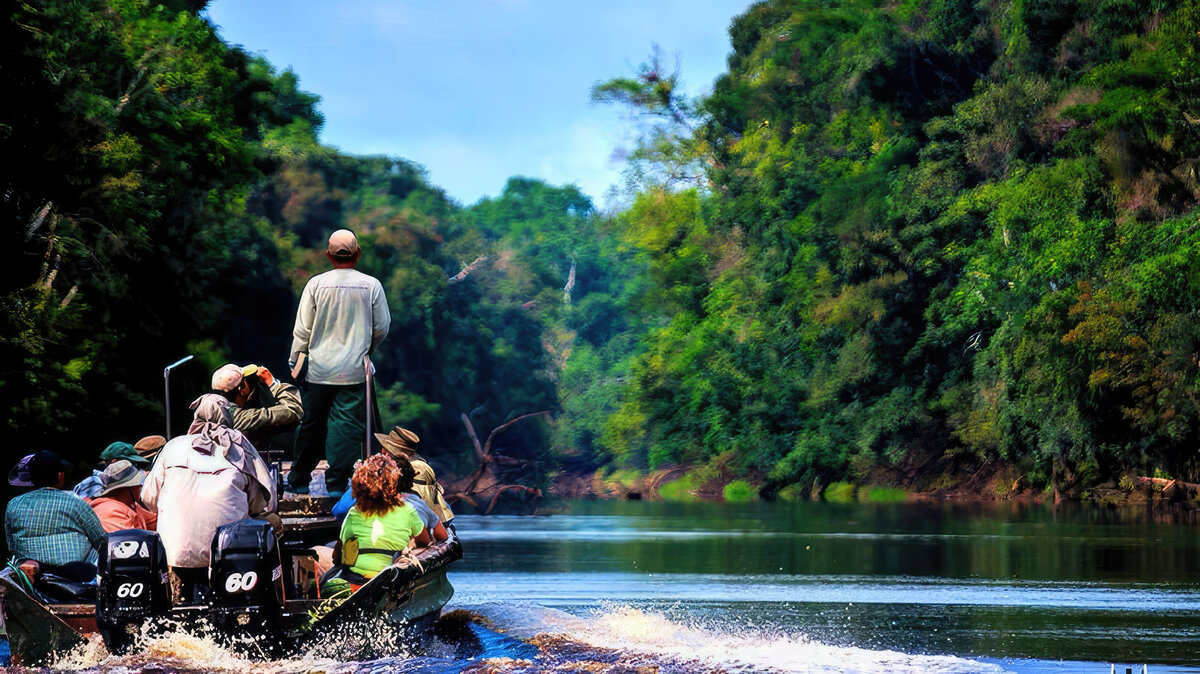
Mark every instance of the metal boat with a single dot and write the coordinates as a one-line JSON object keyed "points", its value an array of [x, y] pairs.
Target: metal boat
{"points": [[252, 591]]}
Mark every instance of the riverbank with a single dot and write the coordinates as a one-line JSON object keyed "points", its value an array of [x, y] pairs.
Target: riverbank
{"points": [[983, 483]]}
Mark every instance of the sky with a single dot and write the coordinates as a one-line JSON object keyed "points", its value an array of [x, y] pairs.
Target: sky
{"points": [[478, 91]]}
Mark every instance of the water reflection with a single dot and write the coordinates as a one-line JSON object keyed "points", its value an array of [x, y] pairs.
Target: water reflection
{"points": [[960, 541]]}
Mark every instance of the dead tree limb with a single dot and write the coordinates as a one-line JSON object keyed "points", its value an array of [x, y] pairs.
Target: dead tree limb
{"points": [[537, 493], [37, 220], [570, 284], [474, 438], [467, 270], [487, 481], [487, 446]]}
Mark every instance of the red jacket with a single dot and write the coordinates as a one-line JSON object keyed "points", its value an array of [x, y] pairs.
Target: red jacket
{"points": [[115, 515]]}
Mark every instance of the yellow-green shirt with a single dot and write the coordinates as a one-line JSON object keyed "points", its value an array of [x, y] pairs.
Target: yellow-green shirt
{"points": [[389, 531]]}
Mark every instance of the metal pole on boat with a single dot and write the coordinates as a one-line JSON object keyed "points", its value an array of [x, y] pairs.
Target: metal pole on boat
{"points": [[167, 388], [370, 370]]}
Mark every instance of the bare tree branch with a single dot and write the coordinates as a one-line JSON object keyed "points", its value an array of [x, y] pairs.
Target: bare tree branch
{"points": [[70, 296], [467, 270], [474, 438], [570, 284], [510, 487], [487, 446], [37, 220]]}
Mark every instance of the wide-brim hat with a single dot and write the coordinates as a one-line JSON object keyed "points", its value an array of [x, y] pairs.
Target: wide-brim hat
{"points": [[400, 441], [20, 476], [149, 446], [120, 474], [44, 461]]}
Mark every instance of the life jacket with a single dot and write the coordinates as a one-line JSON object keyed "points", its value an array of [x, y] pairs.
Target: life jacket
{"points": [[426, 485]]}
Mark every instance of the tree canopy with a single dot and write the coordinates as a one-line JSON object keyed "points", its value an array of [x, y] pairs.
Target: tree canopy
{"points": [[896, 243]]}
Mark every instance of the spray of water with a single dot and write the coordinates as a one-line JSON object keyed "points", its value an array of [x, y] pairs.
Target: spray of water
{"points": [[195, 647], [689, 644]]}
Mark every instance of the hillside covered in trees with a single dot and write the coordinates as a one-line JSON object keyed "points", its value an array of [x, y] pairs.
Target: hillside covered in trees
{"points": [[904, 243]]}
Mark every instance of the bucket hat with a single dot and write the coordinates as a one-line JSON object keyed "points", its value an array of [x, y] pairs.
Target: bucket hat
{"points": [[120, 474]]}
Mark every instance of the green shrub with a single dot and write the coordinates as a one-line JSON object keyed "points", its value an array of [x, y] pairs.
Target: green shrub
{"points": [[840, 492], [883, 495], [683, 489], [792, 492], [739, 491]]}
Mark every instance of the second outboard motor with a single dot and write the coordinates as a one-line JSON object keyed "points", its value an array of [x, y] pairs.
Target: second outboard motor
{"points": [[246, 579], [133, 585]]}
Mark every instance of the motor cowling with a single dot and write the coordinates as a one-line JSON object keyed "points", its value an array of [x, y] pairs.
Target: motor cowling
{"points": [[246, 578], [133, 584]]}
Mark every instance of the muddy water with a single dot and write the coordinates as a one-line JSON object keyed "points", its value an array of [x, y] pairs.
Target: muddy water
{"points": [[810, 587]]}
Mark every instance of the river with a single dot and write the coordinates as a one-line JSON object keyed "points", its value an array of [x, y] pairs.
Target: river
{"points": [[637, 586]]}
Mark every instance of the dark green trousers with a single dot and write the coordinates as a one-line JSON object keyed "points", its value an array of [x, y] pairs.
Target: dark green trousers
{"points": [[334, 426]]}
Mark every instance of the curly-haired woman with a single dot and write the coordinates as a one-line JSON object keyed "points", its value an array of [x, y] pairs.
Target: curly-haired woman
{"points": [[380, 525], [433, 526]]}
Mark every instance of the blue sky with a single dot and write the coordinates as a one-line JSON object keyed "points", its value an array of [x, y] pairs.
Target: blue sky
{"points": [[480, 91]]}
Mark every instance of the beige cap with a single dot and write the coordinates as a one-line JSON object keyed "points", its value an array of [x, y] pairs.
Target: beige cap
{"points": [[343, 244], [227, 377]]}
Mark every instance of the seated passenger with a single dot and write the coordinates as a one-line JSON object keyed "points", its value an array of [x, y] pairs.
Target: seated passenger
{"points": [[117, 505], [49, 529], [431, 522], [378, 528], [265, 405], [149, 447], [403, 442], [116, 451], [200, 481]]}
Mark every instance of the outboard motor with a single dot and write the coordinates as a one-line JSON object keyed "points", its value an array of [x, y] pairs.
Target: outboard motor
{"points": [[133, 585], [246, 579]]}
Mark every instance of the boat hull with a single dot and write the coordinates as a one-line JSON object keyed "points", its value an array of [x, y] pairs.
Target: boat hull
{"points": [[400, 595]]}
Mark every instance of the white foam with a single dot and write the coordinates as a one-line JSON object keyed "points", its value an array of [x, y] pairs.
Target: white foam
{"points": [[732, 648]]}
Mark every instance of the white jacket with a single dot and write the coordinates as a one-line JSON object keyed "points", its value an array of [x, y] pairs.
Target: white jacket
{"points": [[194, 493]]}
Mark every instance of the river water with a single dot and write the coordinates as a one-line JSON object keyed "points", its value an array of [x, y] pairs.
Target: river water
{"points": [[795, 587]]}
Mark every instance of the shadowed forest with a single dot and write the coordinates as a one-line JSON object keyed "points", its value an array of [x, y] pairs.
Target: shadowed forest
{"points": [[908, 243]]}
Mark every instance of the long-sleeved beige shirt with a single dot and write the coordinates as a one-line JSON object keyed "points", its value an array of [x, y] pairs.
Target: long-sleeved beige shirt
{"points": [[343, 316]]}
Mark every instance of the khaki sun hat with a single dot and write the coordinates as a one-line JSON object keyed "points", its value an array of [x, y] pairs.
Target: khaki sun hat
{"points": [[400, 441], [120, 474]]}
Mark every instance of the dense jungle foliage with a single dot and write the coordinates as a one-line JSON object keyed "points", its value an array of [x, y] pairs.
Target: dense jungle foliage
{"points": [[899, 243]]}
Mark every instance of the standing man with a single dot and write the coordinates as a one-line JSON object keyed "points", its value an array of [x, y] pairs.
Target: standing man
{"points": [[343, 316]]}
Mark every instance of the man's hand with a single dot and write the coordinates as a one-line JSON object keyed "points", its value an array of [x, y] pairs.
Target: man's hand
{"points": [[265, 376]]}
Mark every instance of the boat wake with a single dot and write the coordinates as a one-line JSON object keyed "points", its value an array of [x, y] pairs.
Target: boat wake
{"points": [[644, 637], [518, 638]]}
